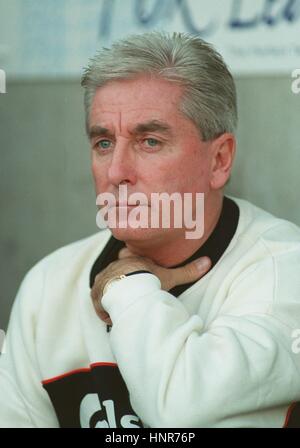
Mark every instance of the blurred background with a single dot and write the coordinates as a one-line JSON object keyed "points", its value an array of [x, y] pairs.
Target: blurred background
{"points": [[47, 196]]}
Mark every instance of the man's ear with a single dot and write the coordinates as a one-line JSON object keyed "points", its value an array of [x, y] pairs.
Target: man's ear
{"points": [[223, 152]]}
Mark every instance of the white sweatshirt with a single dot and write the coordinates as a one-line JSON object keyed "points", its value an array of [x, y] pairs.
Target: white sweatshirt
{"points": [[222, 354]]}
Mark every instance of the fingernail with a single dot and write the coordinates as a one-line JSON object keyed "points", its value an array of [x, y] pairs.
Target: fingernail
{"points": [[203, 263]]}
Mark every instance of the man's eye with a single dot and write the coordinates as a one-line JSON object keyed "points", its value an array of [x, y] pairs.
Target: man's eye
{"points": [[104, 144], [152, 142]]}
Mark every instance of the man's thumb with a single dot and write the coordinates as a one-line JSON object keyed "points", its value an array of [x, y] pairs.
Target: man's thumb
{"points": [[192, 271]]}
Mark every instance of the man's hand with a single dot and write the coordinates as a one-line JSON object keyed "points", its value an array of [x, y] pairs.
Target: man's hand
{"points": [[128, 262]]}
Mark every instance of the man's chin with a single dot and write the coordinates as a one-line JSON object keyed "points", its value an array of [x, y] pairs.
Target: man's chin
{"points": [[129, 233], [138, 234]]}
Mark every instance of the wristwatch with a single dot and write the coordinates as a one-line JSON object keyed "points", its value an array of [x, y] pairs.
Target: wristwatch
{"points": [[111, 281], [117, 278]]}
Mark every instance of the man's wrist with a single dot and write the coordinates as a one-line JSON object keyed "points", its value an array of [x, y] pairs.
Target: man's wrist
{"points": [[111, 281], [117, 278], [123, 295]]}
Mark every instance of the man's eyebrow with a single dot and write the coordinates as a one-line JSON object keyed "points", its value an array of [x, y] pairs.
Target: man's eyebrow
{"points": [[98, 131], [152, 126], [140, 128]]}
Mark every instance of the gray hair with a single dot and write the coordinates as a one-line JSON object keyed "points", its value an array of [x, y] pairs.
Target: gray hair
{"points": [[209, 97]]}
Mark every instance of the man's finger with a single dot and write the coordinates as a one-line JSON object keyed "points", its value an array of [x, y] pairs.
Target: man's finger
{"points": [[191, 272], [99, 310], [105, 317]]}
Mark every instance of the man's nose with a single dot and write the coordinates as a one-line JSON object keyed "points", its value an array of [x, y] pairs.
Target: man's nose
{"points": [[122, 167]]}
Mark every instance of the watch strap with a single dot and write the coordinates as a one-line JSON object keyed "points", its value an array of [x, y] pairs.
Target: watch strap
{"points": [[138, 272]]}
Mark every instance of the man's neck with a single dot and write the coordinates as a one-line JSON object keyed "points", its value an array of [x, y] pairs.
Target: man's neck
{"points": [[172, 252]]}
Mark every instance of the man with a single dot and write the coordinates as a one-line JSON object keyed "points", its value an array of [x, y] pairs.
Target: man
{"points": [[180, 332]]}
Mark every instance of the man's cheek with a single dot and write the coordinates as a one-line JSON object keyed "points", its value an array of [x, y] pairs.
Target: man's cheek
{"points": [[100, 177], [167, 179]]}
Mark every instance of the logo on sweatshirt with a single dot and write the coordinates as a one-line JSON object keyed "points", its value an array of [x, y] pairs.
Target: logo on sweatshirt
{"points": [[95, 413], [93, 397]]}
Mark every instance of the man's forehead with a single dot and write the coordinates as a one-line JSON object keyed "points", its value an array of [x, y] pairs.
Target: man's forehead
{"points": [[156, 110], [132, 117], [149, 113], [121, 105], [137, 96], [128, 114]]}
